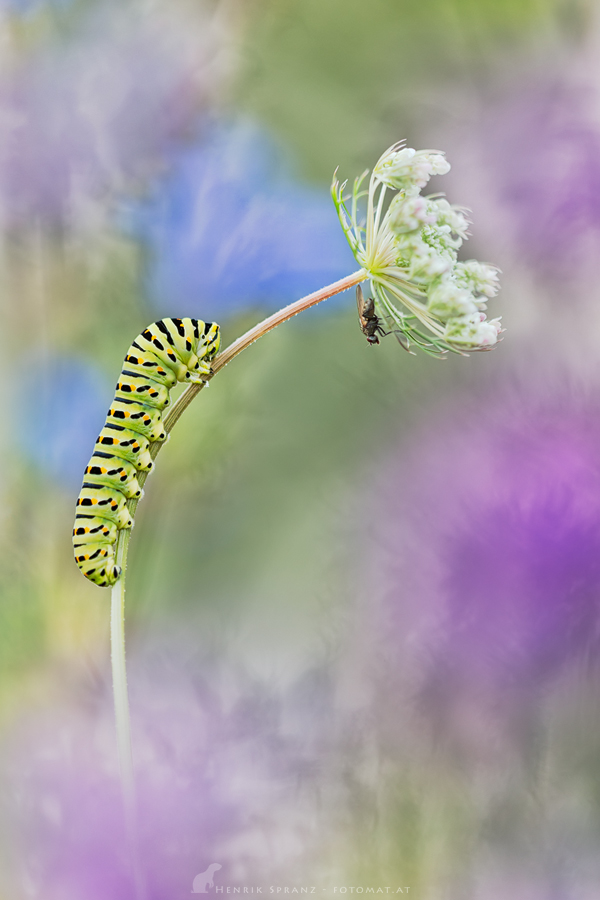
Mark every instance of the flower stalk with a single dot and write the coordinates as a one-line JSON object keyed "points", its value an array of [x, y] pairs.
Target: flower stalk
{"points": [[122, 717], [117, 628]]}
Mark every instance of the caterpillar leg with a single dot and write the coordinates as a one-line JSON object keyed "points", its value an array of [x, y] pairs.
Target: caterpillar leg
{"points": [[200, 372]]}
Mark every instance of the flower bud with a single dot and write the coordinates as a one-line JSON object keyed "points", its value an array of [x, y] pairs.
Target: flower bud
{"points": [[427, 262], [477, 277], [473, 331], [450, 221], [409, 213], [409, 170], [448, 301]]}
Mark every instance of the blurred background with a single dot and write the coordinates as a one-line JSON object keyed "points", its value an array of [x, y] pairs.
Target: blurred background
{"points": [[363, 602]]}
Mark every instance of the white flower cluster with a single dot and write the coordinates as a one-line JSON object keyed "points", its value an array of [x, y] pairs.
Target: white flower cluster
{"points": [[406, 169], [428, 233], [411, 254]]}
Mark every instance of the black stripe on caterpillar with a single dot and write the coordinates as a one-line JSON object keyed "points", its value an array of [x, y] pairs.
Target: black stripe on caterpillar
{"points": [[166, 352]]}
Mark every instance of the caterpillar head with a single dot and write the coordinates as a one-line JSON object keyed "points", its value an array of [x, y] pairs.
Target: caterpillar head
{"points": [[212, 336], [209, 342], [110, 575]]}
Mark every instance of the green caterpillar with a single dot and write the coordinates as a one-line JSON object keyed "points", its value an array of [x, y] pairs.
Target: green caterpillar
{"points": [[166, 352]]}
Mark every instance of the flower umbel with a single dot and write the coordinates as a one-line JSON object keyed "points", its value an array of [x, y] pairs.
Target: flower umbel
{"points": [[409, 248]]}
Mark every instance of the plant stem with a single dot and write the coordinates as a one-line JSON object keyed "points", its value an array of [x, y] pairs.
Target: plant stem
{"points": [[122, 719], [117, 616], [284, 314]]}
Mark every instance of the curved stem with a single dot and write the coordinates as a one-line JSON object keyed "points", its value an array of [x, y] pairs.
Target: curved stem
{"points": [[117, 630], [284, 314]]}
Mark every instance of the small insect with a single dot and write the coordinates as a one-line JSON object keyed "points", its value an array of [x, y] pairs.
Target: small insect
{"points": [[369, 322], [166, 352]]}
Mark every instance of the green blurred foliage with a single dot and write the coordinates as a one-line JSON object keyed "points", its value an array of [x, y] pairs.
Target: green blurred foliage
{"points": [[335, 79]]}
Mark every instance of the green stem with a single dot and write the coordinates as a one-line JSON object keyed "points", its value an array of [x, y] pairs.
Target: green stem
{"points": [[122, 719], [117, 616]]}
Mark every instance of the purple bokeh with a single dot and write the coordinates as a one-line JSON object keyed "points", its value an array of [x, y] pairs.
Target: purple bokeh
{"points": [[98, 113], [489, 559], [542, 150], [69, 819], [227, 771]]}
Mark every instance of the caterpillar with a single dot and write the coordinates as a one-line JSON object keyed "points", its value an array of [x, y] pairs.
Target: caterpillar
{"points": [[164, 353]]}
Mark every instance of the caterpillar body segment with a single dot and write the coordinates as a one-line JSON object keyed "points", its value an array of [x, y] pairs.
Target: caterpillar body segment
{"points": [[116, 440], [115, 472], [91, 529], [105, 503], [149, 367], [136, 416], [96, 561], [166, 352], [94, 545], [135, 386]]}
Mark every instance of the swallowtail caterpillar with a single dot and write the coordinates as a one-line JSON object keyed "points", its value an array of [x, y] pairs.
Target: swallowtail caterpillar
{"points": [[166, 352]]}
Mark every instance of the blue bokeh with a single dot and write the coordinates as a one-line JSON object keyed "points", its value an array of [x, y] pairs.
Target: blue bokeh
{"points": [[228, 227], [59, 415]]}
